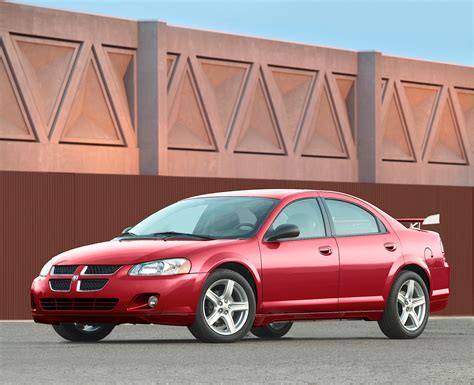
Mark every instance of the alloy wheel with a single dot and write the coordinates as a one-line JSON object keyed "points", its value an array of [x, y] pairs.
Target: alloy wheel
{"points": [[226, 307], [411, 305]]}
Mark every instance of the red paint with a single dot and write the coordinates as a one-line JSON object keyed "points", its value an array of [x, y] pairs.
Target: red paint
{"points": [[330, 277]]}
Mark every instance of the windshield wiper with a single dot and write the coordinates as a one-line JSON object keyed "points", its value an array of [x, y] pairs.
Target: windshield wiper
{"points": [[127, 234], [176, 234]]}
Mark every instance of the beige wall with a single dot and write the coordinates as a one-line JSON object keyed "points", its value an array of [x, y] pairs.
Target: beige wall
{"points": [[76, 90]]}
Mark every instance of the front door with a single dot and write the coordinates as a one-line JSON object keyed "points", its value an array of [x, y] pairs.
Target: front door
{"points": [[301, 274]]}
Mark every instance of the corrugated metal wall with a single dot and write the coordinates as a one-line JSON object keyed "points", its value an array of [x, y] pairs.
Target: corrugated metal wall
{"points": [[42, 214]]}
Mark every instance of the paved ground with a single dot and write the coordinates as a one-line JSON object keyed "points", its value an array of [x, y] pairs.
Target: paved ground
{"points": [[316, 352]]}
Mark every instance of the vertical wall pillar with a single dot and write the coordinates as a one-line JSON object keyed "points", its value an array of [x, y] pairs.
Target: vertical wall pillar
{"points": [[369, 101], [150, 85]]}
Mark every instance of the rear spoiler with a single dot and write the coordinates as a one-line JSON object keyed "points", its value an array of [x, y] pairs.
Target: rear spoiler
{"points": [[415, 223]]}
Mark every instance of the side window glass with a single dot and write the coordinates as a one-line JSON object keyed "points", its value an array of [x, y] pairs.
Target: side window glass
{"points": [[350, 219], [305, 214]]}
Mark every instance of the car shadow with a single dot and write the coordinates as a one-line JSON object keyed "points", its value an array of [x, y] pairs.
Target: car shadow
{"points": [[243, 341]]}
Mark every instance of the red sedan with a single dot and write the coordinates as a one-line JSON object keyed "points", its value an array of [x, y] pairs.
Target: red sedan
{"points": [[228, 263]]}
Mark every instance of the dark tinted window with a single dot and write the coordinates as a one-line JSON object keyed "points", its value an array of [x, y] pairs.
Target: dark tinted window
{"points": [[351, 219], [305, 214]]}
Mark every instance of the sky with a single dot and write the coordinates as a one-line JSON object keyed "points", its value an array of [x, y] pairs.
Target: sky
{"points": [[438, 30]]}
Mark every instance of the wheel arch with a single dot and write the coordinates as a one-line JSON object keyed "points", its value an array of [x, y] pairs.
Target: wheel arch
{"points": [[244, 271], [408, 264], [420, 271]]}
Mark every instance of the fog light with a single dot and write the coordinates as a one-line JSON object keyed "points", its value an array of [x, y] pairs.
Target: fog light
{"points": [[152, 301]]}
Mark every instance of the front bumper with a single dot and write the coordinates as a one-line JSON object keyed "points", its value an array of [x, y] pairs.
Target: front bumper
{"points": [[178, 297]]}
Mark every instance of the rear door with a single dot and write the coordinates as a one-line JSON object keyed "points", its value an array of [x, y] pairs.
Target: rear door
{"points": [[301, 274], [367, 250]]}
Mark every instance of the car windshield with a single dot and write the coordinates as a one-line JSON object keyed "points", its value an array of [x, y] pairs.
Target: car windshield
{"points": [[207, 218]]}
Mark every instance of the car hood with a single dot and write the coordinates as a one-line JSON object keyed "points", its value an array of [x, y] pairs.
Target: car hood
{"points": [[129, 252]]}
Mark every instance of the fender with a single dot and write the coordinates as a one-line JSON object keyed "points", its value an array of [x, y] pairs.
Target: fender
{"points": [[228, 257], [398, 265]]}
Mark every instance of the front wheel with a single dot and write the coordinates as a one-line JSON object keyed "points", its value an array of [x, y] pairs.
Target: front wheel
{"points": [[272, 331], [407, 308], [83, 332], [226, 308]]}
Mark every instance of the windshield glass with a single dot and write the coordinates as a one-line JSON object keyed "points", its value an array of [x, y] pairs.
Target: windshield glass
{"points": [[219, 217]]}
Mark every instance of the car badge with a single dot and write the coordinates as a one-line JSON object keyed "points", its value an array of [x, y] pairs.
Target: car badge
{"points": [[75, 277]]}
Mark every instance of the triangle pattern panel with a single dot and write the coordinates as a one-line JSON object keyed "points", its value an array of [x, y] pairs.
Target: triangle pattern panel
{"points": [[384, 85], [188, 124], [171, 61], [294, 87], [347, 89], [325, 137], [396, 143], [260, 133], [227, 80], [47, 66], [447, 146], [466, 101], [123, 65], [90, 118], [422, 101], [13, 122]]}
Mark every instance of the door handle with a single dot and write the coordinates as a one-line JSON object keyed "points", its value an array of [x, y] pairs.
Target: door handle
{"points": [[325, 250], [390, 246]]}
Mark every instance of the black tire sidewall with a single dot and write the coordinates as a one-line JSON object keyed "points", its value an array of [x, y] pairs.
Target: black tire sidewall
{"points": [[393, 303], [268, 332], [201, 330], [69, 331]]}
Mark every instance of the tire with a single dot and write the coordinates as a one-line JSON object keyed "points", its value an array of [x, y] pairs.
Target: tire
{"points": [[272, 331], [405, 317], [83, 332], [220, 321]]}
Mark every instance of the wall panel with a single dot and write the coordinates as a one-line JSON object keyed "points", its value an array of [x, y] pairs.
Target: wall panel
{"points": [[43, 214]]}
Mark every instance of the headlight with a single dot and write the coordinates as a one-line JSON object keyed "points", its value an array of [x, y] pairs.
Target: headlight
{"points": [[46, 268], [162, 267]]}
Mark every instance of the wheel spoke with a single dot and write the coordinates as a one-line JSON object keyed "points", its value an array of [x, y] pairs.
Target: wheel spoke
{"points": [[401, 298], [414, 318], [211, 320], [410, 288], [238, 306], [229, 321], [229, 289], [418, 302], [213, 297], [404, 317]]}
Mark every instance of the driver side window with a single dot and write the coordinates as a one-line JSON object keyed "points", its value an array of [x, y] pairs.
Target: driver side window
{"points": [[305, 214]]}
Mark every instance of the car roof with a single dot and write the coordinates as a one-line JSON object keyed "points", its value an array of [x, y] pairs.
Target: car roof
{"points": [[263, 193]]}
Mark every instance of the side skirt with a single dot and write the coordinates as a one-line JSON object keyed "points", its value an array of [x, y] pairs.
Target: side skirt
{"points": [[370, 315]]}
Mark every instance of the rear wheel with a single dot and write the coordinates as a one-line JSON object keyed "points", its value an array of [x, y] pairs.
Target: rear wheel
{"points": [[272, 331], [407, 308], [83, 332], [226, 308]]}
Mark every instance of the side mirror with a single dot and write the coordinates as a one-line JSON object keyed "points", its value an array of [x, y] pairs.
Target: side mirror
{"points": [[283, 232], [126, 230]]}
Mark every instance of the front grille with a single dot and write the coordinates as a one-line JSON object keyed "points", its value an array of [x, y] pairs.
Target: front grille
{"points": [[60, 284], [64, 270], [101, 269], [91, 284], [78, 304]]}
